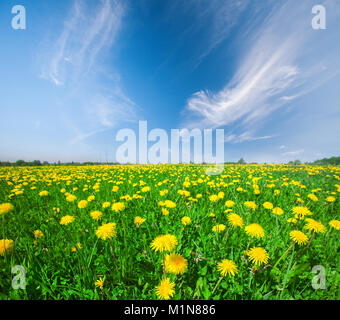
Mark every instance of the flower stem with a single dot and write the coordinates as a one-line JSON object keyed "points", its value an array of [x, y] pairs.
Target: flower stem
{"points": [[217, 284]]}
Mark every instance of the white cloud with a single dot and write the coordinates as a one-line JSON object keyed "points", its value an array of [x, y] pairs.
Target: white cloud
{"points": [[244, 137], [293, 153], [278, 65], [86, 33], [94, 99]]}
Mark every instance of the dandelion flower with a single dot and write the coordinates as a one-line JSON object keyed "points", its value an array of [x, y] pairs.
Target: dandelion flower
{"points": [[235, 220], [118, 206], [335, 224], [298, 237], [96, 215], [214, 198], [277, 211], [186, 220], [99, 283], [5, 207], [5, 246], [169, 204], [258, 256], [268, 205], [106, 231], [71, 198], [251, 205], [90, 198], [166, 289], [227, 267], [254, 230], [82, 204], [218, 228], [38, 234], [138, 221], [106, 204], [313, 197], [229, 203], [65, 220], [315, 226], [301, 212], [165, 242], [330, 199], [43, 193], [145, 189], [175, 263], [165, 211]]}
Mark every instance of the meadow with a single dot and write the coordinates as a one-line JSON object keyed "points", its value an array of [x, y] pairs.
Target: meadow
{"points": [[170, 232]]}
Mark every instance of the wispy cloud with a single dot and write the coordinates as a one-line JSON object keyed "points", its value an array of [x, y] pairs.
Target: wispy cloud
{"points": [[244, 137], [78, 62], [86, 32], [293, 153], [281, 61]]}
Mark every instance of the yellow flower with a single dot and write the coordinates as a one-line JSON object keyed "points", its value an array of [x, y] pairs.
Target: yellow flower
{"points": [[118, 206], [235, 220], [165, 211], [106, 204], [91, 198], [71, 198], [229, 203], [74, 249], [298, 237], [268, 205], [43, 193], [301, 212], [65, 220], [5, 207], [315, 226], [313, 197], [330, 199], [82, 204], [99, 283], [220, 195], [115, 188], [254, 230], [169, 204], [258, 255], [335, 224], [227, 267], [214, 198], [186, 220], [96, 215], [166, 289], [218, 228], [165, 242], [175, 263], [5, 246], [291, 220], [106, 231], [138, 221], [38, 234], [277, 211], [145, 189], [250, 205]]}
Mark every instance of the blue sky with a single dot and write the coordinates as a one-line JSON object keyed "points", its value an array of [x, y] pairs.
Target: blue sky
{"points": [[82, 70]]}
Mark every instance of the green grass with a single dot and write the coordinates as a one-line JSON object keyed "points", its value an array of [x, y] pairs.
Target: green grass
{"points": [[131, 268]]}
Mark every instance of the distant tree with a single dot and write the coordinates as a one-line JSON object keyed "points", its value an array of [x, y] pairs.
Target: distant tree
{"points": [[241, 161], [20, 162]]}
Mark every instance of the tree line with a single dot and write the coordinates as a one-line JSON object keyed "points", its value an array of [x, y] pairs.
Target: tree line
{"points": [[37, 163]]}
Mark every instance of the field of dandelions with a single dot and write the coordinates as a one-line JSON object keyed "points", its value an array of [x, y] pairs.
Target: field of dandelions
{"points": [[169, 232]]}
